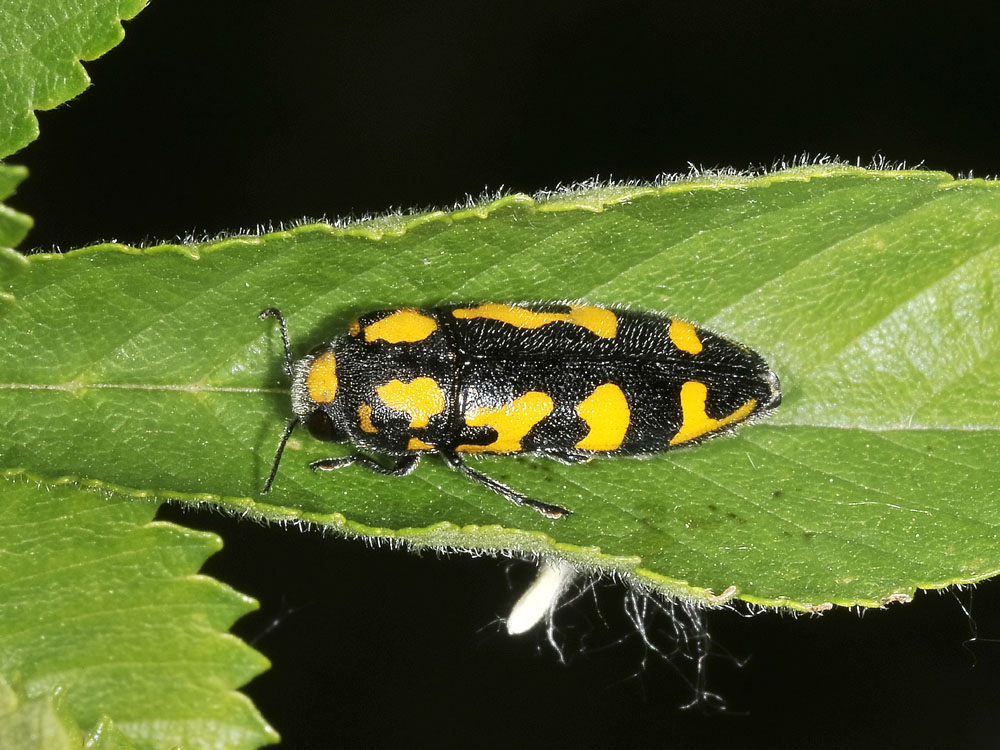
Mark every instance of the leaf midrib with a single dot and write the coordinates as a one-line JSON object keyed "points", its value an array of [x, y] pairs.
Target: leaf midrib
{"points": [[76, 385], [775, 421]]}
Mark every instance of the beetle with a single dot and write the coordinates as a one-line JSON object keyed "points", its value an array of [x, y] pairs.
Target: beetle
{"points": [[570, 382]]}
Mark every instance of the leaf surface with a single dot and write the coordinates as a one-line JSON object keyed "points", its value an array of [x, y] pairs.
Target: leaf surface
{"points": [[44, 723], [101, 608], [872, 294], [13, 227], [41, 45]]}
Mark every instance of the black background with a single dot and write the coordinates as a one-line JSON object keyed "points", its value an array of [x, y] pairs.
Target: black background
{"points": [[227, 114]]}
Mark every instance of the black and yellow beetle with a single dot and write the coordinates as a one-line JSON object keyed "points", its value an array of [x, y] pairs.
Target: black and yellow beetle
{"points": [[570, 382]]}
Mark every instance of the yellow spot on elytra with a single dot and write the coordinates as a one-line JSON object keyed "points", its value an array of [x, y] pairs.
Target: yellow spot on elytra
{"points": [[696, 421], [322, 379], [685, 336], [416, 444], [512, 422], [597, 320], [354, 328], [365, 417], [607, 413], [403, 326], [421, 399]]}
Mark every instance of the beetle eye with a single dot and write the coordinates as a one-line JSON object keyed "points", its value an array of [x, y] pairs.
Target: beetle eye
{"points": [[321, 427]]}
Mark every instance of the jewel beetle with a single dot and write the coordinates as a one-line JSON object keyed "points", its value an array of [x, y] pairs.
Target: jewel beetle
{"points": [[570, 382]]}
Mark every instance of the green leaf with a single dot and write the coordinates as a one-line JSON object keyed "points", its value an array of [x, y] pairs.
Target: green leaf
{"points": [[870, 293], [41, 45], [45, 723], [13, 227], [101, 605], [35, 723], [106, 736]]}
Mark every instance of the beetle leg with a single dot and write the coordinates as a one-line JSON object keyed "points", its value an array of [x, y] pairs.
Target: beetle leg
{"points": [[549, 511], [277, 456], [404, 465], [565, 457]]}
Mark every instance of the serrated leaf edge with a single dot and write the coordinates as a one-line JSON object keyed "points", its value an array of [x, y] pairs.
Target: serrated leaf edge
{"points": [[592, 199], [445, 536]]}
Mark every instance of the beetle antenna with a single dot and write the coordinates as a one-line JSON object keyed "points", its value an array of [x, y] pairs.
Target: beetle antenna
{"points": [[277, 456], [274, 312]]}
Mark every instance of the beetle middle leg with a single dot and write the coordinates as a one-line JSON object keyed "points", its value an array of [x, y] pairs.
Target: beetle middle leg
{"points": [[546, 509], [404, 464], [566, 457]]}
